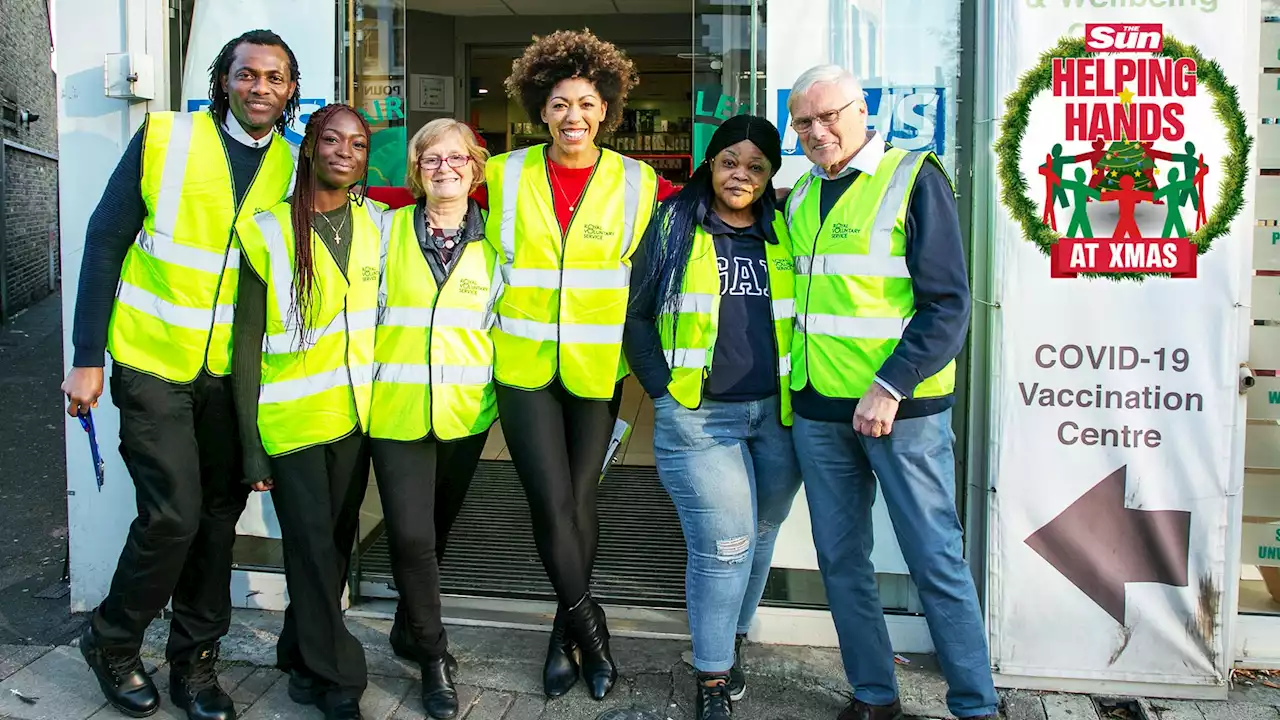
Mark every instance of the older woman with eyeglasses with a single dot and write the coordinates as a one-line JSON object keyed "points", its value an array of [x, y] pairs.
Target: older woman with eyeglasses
{"points": [[433, 397]]}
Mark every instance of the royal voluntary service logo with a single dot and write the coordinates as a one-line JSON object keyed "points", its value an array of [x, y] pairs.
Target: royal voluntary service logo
{"points": [[1119, 171]]}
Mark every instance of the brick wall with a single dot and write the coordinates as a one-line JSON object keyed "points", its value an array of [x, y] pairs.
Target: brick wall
{"points": [[30, 189]]}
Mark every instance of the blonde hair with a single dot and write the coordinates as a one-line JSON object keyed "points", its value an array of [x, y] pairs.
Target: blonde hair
{"points": [[429, 135]]}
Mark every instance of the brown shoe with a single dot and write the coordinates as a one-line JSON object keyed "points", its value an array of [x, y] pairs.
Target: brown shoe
{"points": [[859, 710]]}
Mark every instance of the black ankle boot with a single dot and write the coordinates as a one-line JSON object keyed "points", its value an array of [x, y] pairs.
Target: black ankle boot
{"points": [[194, 687], [560, 672], [587, 621], [439, 696], [125, 684], [713, 697]]}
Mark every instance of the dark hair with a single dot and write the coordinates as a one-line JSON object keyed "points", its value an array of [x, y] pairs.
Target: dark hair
{"points": [[567, 54], [302, 209], [221, 67], [678, 216]]}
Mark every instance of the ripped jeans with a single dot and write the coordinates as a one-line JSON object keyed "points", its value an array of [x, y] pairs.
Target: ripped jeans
{"points": [[731, 470]]}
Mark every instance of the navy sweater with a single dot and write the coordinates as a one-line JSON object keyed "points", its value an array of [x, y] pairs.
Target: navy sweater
{"points": [[940, 283], [114, 226], [744, 361]]}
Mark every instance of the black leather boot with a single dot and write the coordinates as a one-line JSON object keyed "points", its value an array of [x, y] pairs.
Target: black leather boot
{"points": [[587, 621], [124, 682], [560, 672], [194, 687], [439, 696]]}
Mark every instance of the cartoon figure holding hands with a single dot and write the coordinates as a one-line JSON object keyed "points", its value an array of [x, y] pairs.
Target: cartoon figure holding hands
{"points": [[1177, 191], [1128, 198], [1051, 190], [1079, 226]]}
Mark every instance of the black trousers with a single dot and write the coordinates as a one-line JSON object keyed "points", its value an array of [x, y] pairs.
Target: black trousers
{"points": [[181, 446], [317, 496], [558, 443], [422, 485]]}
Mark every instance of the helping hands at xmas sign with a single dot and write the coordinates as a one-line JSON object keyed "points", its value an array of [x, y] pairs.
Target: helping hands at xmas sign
{"points": [[1126, 212]]}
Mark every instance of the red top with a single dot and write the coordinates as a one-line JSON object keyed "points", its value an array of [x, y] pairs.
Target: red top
{"points": [[568, 184]]}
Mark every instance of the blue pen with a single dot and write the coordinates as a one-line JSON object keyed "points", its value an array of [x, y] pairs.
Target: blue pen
{"points": [[86, 422]]}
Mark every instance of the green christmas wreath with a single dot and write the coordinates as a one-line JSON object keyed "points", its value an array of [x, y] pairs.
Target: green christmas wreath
{"points": [[1226, 106]]}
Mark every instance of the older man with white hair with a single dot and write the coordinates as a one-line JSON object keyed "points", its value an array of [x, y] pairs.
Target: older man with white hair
{"points": [[882, 310]]}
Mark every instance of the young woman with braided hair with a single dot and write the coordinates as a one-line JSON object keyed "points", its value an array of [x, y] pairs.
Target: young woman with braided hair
{"points": [[303, 371]]}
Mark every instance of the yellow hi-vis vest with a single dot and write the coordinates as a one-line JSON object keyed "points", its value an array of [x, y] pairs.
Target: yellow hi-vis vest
{"points": [[689, 336], [565, 297], [322, 392], [853, 287], [176, 298], [433, 360]]}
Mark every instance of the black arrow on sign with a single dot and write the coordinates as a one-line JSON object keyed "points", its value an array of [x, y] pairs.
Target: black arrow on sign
{"points": [[1099, 544]]}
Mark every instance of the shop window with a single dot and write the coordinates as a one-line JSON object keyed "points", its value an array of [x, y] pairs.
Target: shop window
{"points": [[379, 85], [728, 65]]}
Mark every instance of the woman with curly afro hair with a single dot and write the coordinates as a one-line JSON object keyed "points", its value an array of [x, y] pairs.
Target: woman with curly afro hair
{"points": [[565, 218]]}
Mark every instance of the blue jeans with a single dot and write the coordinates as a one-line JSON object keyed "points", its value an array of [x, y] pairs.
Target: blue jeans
{"points": [[730, 469], [916, 470]]}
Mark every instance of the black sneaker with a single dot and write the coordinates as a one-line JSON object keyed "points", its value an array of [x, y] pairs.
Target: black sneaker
{"points": [[737, 678], [124, 682], [194, 687], [713, 698]]}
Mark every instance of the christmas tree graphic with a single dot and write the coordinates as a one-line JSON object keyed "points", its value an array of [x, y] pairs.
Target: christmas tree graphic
{"points": [[1124, 158]]}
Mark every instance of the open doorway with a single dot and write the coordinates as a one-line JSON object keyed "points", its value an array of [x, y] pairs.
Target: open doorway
{"points": [[456, 56]]}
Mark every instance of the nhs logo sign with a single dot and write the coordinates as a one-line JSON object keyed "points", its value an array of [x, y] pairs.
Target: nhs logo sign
{"points": [[912, 118], [307, 106]]}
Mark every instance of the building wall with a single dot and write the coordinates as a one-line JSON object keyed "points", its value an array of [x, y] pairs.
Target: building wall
{"points": [[30, 183]]}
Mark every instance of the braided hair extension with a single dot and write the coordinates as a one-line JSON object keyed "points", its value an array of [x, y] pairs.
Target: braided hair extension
{"points": [[302, 211], [221, 68]]}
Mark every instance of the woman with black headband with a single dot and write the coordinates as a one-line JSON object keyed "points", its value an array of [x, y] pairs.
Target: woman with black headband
{"points": [[708, 335]]}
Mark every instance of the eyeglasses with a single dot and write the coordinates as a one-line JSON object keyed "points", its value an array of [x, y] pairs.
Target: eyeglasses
{"points": [[432, 162], [826, 119]]}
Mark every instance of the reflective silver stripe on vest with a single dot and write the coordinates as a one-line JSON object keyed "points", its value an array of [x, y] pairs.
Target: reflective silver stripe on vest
{"points": [[171, 314], [299, 388], [572, 279], [872, 265], [512, 169], [165, 218], [689, 358], [887, 214], [630, 200], [797, 196], [547, 332], [410, 317], [784, 365], [868, 328], [696, 302], [281, 270], [291, 339], [163, 248], [784, 309], [437, 374]]}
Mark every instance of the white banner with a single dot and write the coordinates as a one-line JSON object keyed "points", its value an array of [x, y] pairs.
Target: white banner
{"points": [[910, 91], [310, 30], [1115, 402]]}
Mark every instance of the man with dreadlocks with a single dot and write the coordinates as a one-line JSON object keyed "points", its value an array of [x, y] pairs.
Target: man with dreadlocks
{"points": [[157, 285], [303, 377]]}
